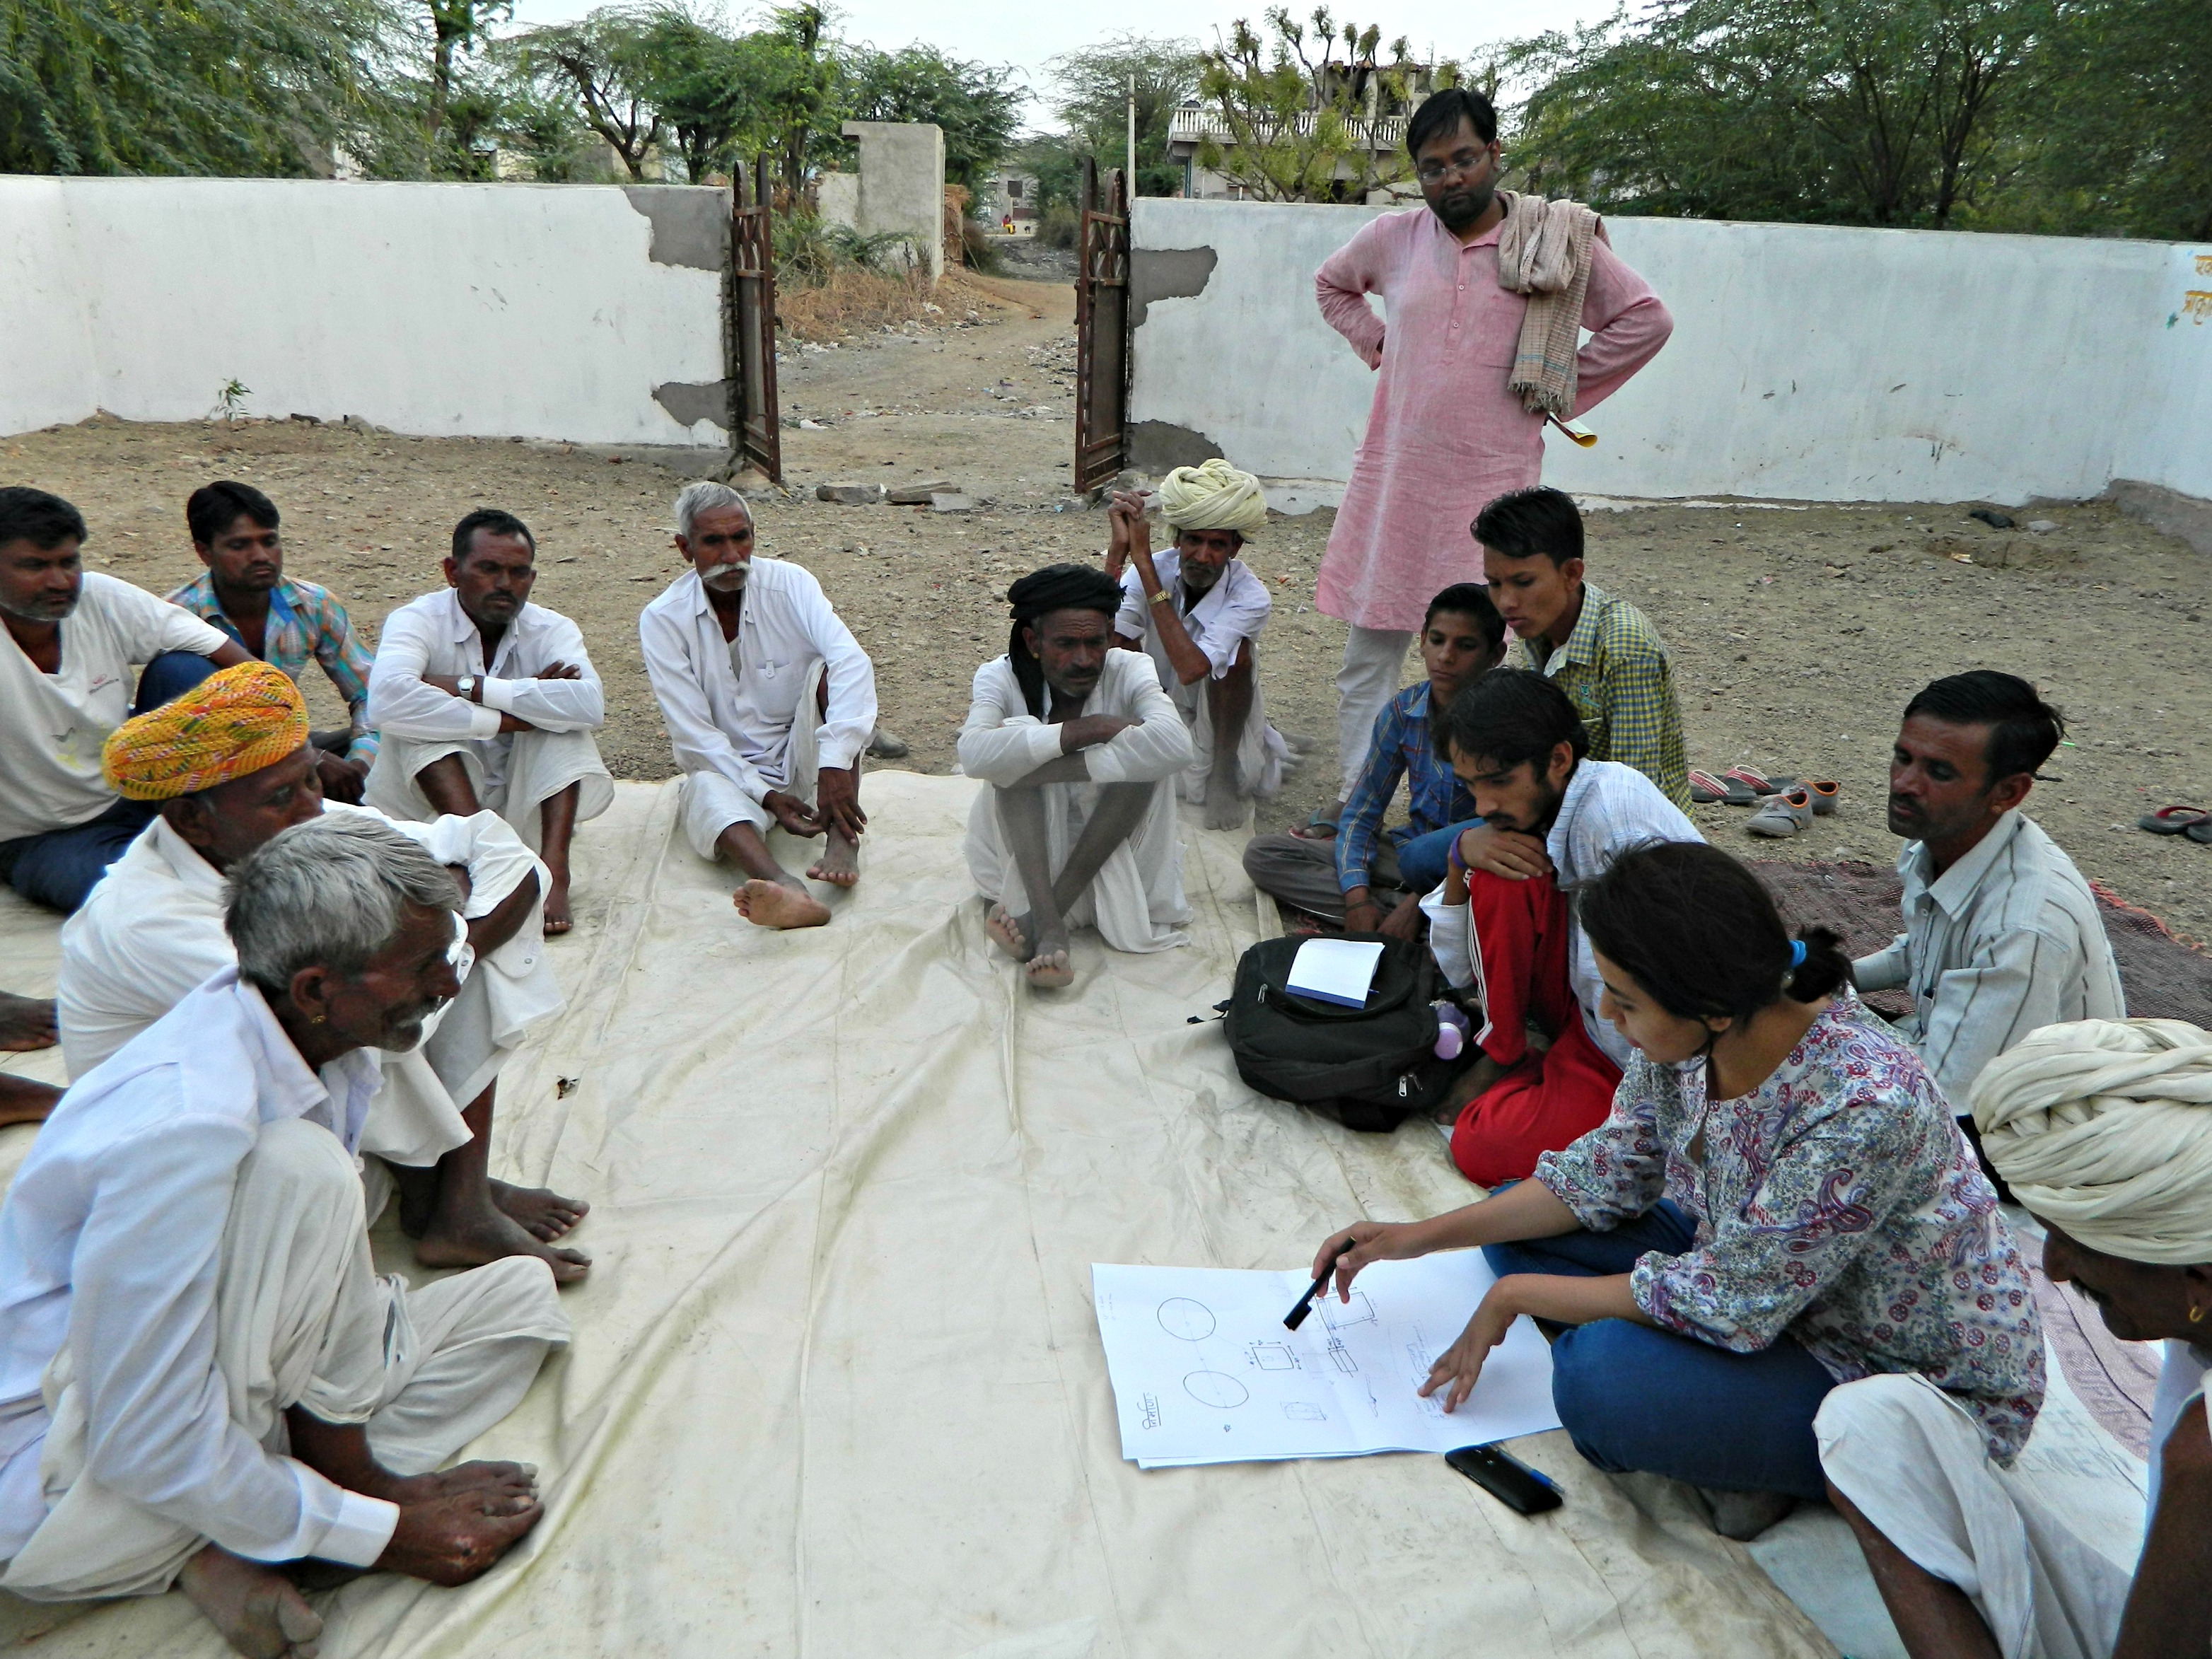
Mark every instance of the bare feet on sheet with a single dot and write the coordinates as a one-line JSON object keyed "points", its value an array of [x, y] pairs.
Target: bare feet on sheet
{"points": [[542, 1212], [28, 1022], [459, 1535], [558, 918], [1009, 935], [1224, 808], [259, 1610], [487, 1235], [22, 1101], [406, 1489], [1048, 967], [772, 904], [840, 863]]}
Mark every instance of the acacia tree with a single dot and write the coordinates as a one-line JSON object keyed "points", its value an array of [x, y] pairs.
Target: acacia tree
{"points": [[976, 105], [1298, 113], [606, 62], [1093, 101]]}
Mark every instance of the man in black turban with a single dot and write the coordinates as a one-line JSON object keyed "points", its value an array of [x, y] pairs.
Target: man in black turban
{"points": [[1081, 748]]}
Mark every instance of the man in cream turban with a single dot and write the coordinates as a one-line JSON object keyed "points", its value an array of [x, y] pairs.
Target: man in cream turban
{"points": [[227, 766], [1197, 611], [2103, 1129]]}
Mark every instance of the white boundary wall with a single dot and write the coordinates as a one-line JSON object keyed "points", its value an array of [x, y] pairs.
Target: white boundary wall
{"points": [[1807, 363], [485, 310]]}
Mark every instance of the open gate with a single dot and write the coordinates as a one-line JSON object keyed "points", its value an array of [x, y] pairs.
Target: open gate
{"points": [[756, 436], [1102, 332]]}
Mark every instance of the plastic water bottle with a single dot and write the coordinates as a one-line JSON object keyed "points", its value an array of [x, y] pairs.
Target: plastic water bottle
{"points": [[1453, 1029]]}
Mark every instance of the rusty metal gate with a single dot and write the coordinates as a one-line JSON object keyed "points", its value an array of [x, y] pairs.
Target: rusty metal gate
{"points": [[1102, 332], [756, 436]]}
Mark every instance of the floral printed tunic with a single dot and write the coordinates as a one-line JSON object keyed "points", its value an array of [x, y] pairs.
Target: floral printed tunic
{"points": [[1838, 1202]]}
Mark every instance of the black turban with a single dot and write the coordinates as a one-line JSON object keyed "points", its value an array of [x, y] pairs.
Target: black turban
{"points": [[1055, 587]]}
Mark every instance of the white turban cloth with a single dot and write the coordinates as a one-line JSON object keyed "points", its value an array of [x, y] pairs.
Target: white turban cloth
{"points": [[2104, 1127], [1214, 497]]}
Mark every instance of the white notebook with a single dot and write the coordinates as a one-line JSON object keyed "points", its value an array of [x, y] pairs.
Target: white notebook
{"points": [[1338, 970]]}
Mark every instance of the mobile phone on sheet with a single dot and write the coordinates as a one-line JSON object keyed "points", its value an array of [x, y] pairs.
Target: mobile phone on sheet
{"points": [[1505, 1478]]}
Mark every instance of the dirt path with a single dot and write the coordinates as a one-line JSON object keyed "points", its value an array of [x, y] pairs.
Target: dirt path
{"points": [[1798, 633]]}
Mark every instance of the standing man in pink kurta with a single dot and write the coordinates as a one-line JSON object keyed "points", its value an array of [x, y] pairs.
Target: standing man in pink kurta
{"points": [[1446, 433]]}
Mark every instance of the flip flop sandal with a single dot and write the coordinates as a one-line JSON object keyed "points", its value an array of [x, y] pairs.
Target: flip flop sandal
{"points": [[1756, 784], [2200, 831], [1705, 789], [1322, 819], [2174, 821], [1824, 792], [1784, 814], [1316, 832]]}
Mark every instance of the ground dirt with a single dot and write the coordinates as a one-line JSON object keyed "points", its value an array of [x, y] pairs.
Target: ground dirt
{"points": [[1797, 632]]}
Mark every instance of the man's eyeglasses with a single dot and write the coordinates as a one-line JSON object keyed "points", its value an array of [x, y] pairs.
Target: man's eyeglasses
{"points": [[1434, 173]]}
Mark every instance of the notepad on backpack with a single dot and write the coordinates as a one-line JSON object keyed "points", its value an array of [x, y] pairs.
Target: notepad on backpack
{"points": [[1338, 970]]}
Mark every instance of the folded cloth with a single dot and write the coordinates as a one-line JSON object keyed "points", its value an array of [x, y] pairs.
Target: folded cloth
{"points": [[1213, 495], [1544, 251], [2104, 1127]]}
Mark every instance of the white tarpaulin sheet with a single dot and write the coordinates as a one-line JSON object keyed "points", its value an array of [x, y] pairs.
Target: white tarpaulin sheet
{"points": [[838, 1388]]}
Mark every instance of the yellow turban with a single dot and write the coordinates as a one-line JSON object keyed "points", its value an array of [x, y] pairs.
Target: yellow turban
{"points": [[1214, 497], [2105, 1127], [237, 721]]}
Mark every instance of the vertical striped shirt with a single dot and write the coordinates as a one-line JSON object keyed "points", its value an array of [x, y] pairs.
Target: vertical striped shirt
{"points": [[1614, 670], [2004, 942]]}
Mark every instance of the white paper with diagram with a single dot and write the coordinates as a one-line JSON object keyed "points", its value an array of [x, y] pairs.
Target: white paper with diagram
{"points": [[1204, 1371]]}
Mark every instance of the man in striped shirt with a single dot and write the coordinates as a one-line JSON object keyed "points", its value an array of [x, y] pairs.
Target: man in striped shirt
{"points": [[2001, 934]]}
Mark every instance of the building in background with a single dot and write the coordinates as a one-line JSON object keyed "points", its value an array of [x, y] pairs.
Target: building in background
{"points": [[1009, 203]]}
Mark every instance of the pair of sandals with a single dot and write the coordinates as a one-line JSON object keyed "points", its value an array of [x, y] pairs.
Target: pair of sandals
{"points": [[2193, 822], [1787, 806]]}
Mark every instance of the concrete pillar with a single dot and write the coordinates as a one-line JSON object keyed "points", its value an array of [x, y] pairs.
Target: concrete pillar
{"points": [[901, 189]]}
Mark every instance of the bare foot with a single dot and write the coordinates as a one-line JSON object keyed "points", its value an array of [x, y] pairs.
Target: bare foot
{"points": [[1224, 808], [472, 1239], [1048, 968], [1013, 935], [558, 920], [542, 1212], [460, 1535], [259, 1610], [840, 863], [27, 1023], [22, 1101], [772, 904]]}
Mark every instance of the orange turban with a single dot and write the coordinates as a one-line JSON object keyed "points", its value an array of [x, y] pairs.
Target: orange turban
{"points": [[237, 721]]}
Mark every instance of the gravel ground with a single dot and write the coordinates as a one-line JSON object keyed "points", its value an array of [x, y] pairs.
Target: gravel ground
{"points": [[1798, 632]]}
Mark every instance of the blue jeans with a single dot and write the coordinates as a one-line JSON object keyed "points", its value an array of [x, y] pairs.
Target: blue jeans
{"points": [[1632, 1397], [59, 868], [1421, 860]]}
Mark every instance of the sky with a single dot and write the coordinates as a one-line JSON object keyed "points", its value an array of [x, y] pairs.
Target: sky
{"points": [[1027, 32]]}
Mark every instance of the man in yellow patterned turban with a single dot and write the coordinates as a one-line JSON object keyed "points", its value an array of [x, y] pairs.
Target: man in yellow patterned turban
{"points": [[1197, 611], [230, 764]]}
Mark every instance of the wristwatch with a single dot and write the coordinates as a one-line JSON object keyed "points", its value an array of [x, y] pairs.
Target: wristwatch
{"points": [[468, 685]]}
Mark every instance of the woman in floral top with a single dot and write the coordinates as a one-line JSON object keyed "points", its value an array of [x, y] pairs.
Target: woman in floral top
{"points": [[1780, 1202]]}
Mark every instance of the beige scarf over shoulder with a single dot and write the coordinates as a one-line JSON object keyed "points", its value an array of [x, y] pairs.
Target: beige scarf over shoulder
{"points": [[1544, 251]]}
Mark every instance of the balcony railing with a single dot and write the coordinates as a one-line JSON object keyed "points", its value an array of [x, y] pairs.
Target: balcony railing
{"points": [[1192, 126]]}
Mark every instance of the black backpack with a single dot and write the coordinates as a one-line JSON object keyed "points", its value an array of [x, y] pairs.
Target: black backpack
{"points": [[1369, 1068]]}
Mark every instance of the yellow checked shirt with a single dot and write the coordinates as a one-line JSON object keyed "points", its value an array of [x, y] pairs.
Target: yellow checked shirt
{"points": [[1613, 669]]}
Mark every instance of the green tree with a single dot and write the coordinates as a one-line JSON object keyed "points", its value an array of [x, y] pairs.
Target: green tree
{"points": [[190, 86], [976, 105], [1300, 116], [606, 62], [1093, 100], [800, 90]]}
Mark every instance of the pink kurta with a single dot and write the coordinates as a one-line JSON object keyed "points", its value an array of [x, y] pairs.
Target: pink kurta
{"points": [[1444, 435]]}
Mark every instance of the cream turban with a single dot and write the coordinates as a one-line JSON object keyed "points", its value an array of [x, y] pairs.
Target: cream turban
{"points": [[2105, 1127], [1214, 497]]}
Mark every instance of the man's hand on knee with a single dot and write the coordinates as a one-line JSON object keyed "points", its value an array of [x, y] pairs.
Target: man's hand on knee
{"points": [[837, 801]]}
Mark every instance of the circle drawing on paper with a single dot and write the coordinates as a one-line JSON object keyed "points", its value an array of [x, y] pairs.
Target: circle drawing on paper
{"points": [[1191, 1321], [1216, 1389]]}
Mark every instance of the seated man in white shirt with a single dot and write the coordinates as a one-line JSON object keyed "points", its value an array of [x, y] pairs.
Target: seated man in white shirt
{"points": [[480, 698], [1503, 923], [769, 702], [68, 640], [1197, 612], [201, 1379], [1081, 749], [2001, 934], [228, 765]]}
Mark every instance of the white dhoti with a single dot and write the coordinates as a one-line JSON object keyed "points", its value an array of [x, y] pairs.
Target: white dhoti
{"points": [[301, 1320], [1136, 901], [1262, 754], [712, 802], [514, 774], [1914, 1463]]}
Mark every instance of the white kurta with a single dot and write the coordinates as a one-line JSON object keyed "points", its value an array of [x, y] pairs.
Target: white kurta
{"points": [[514, 772], [182, 1258], [1227, 615], [53, 726], [1137, 901], [740, 713], [153, 929]]}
